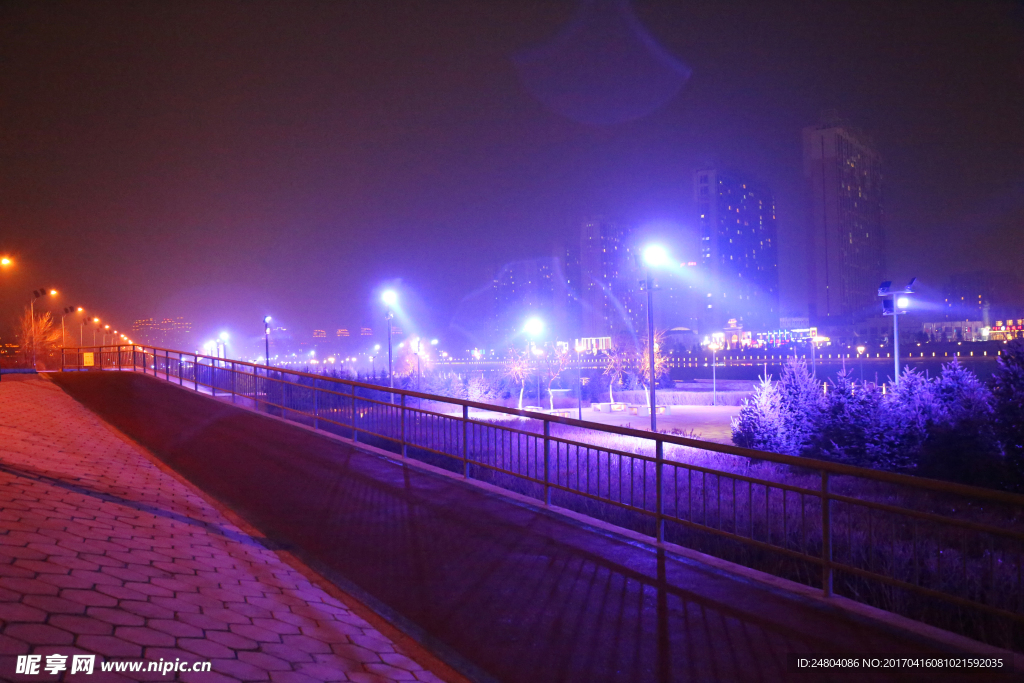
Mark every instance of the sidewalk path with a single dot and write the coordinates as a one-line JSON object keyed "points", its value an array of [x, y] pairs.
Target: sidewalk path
{"points": [[103, 551], [522, 594]]}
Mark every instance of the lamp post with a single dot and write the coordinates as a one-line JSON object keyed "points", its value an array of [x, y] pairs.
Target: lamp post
{"points": [[534, 328], [814, 365], [860, 358], [892, 303], [579, 381], [390, 298], [63, 333], [266, 340], [222, 346], [32, 315], [654, 257], [5, 262], [96, 323], [714, 377]]}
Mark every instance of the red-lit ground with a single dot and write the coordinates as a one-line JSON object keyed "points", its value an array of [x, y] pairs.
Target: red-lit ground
{"points": [[103, 551]]}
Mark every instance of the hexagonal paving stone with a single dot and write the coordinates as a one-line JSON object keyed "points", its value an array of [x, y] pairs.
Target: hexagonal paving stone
{"points": [[128, 561]]}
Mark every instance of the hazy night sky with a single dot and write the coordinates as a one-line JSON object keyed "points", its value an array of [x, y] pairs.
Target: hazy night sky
{"points": [[227, 160]]}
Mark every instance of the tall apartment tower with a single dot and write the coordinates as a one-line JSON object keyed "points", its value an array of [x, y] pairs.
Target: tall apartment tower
{"points": [[847, 241], [739, 251], [523, 289], [599, 269]]}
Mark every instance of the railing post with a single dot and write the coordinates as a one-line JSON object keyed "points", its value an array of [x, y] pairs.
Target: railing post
{"points": [[233, 384], [118, 359], [547, 462], [62, 351], [355, 432], [402, 429], [659, 501], [180, 381], [316, 404], [465, 442], [213, 377], [826, 536], [167, 365], [195, 371]]}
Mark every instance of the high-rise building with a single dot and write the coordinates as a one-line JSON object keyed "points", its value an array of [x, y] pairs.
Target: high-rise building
{"points": [[739, 252], [847, 243], [523, 289], [169, 333], [600, 269]]}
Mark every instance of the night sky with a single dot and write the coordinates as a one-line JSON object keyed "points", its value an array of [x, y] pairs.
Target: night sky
{"points": [[226, 160]]}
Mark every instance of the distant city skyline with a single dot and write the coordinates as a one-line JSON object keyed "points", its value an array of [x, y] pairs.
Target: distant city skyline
{"points": [[228, 161]]}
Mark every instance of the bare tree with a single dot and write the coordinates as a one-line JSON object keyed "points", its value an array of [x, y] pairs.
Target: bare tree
{"points": [[557, 361], [38, 336], [660, 363], [517, 367], [619, 359]]}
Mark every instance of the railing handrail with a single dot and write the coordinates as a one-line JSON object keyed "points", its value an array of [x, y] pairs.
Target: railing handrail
{"points": [[912, 481]]}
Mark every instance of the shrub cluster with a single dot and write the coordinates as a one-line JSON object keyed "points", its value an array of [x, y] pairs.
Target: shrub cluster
{"points": [[948, 427]]}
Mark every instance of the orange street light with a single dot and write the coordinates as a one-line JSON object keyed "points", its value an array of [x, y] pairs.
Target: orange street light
{"points": [[5, 261]]}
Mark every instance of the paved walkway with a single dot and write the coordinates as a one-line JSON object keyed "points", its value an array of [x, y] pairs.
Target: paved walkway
{"points": [[103, 551], [516, 593]]}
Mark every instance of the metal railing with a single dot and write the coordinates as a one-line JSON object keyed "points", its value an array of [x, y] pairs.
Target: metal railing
{"points": [[940, 552]]}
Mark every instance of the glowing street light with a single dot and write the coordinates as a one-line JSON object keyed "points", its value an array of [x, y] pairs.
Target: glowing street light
{"points": [[860, 357], [655, 256], [266, 339], [67, 311], [32, 312], [390, 298], [5, 261], [534, 327], [895, 305], [715, 348]]}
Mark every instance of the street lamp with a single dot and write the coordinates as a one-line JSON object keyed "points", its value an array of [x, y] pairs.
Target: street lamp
{"points": [[534, 327], [715, 348], [579, 379], [5, 261], [32, 313], [222, 345], [266, 339], [860, 357], [67, 310], [390, 298], [96, 323], [655, 256], [895, 304]]}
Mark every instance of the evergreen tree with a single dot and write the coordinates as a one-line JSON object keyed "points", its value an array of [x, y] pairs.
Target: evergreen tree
{"points": [[904, 419], [961, 445], [847, 420], [800, 403], [759, 424], [1008, 392]]}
